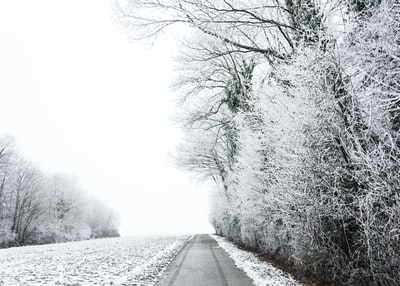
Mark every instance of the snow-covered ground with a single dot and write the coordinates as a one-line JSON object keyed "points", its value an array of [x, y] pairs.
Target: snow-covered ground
{"points": [[113, 261], [262, 273]]}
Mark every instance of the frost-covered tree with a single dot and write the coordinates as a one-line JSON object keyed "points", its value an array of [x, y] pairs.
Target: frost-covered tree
{"points": [[26, 204], [6, 150], [215, 86], [102, 220], [292, 107], [240, 25], [64, 218], [37, 208]]}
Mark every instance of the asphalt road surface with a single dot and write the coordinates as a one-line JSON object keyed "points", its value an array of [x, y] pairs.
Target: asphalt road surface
{"points": [[203, 263]]}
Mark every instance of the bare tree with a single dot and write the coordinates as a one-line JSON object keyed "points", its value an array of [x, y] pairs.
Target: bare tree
{"points": [[26, 202], [102, 220], [243, 26]]}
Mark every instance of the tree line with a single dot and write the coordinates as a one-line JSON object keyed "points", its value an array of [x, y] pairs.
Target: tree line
{"points": [[38, 208], [292, 107]]}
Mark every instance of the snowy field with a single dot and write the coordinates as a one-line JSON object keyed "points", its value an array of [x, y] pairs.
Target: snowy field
{"points": [[114, 261], [261, 272]]}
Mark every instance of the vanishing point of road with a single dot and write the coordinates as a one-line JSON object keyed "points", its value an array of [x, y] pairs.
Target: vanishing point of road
{"points": [[203, 263]]}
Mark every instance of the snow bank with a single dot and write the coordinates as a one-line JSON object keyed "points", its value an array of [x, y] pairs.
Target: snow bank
{"points": [[262, 273]]}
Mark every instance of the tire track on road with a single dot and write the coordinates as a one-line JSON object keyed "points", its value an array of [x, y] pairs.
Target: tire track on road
{"points": [[204, 263], [219, 269], [178, 270]]}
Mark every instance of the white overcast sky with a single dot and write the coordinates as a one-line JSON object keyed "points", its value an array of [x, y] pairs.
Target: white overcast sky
{"points": [[79, 98]]}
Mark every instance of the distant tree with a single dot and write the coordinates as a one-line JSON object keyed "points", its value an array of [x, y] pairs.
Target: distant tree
{"points": [[6, 153], [102, 220], [65, 211], [26, 188], [36, 208]]}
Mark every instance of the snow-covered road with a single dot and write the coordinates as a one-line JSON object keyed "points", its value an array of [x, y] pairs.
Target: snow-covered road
{"points": [[115, 261]]}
